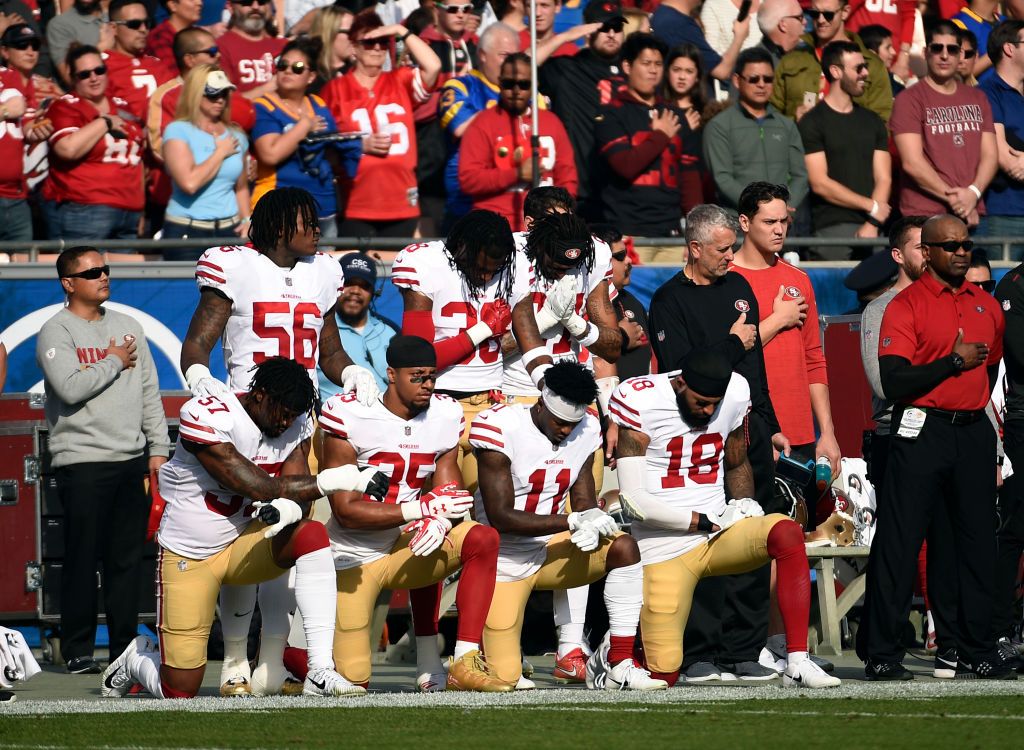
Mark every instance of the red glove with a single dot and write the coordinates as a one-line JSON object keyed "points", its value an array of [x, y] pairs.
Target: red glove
{"points": [[156, 509], [497, 317]]}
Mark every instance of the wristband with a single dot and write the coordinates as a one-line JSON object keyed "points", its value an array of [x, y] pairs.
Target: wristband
{"points": [[479, 333], [704, 523], [411, 511], [974, 189], [405, 36], [110, 125], [534, 354], [592, 334], [538, 374]]}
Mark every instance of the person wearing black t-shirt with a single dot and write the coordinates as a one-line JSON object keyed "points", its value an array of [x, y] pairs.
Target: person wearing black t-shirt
{"points": [[847, 154], [636, 347]]}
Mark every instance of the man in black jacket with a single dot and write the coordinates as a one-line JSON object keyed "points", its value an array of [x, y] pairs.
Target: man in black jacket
{"points": [[706, 307]]}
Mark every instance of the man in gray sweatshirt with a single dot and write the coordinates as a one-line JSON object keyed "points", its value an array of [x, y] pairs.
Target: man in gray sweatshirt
{"points": [[104, 414]]}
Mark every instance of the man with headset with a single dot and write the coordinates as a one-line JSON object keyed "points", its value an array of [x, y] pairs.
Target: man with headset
{"points": [[364, 334]]}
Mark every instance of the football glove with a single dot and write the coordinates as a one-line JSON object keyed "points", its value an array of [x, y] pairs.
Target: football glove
{"points": [[586, 537], [428, 534], [559, 303], [202, 383], [362, 381], [729, 516], [750, 507], [601, 522], [278, 514], [350, 478], [447, 501]]}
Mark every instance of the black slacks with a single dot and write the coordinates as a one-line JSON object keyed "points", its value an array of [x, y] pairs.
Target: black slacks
{"points": [[948, 468], [105, 515], [1011, 530]]}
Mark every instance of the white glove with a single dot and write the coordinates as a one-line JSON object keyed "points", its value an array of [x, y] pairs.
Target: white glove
{"points": [[446, 500], [750, 507], [362, 381], [602, 523], [575, 324], [429, 534], [586, 537], [350, 478], [729, 516], [559, 303], [202, 383], [278, 514]]}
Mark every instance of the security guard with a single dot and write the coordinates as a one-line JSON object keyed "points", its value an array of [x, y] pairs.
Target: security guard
{"points": [[939, 348]]}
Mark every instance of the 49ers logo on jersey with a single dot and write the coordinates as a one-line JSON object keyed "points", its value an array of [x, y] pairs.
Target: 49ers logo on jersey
{"points": [[792, 291], [742, 305]]}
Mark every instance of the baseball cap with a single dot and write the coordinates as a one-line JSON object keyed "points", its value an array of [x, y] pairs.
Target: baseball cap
{"points": [[359, 266], [602, 11], [216, 82], [18, 32]]}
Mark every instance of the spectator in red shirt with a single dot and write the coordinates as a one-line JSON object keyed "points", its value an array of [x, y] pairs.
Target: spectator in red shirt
{"points": [[15, 216], [133, 76], [248, 51], [96, 156], [550, 44], [895, 15], [496, 158], [793, 358], [183, 13]]}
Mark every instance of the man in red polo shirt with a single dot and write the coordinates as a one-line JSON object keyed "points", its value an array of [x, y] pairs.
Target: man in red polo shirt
{"points": [[938, 356]]}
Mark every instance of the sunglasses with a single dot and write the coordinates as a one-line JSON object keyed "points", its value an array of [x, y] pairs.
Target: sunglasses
{"points": [[615, 26], [757, 79], [452, 10], [375, 43], [620, 256], [216, 96], [828, 15], [25, 44], [936, 48], [507, 84], [953, 245], [968, 53], [134, 23], [211, 51], [250, 3], [85, 75], [298, 68], [90, 273], [862, 67], [986, 286]]}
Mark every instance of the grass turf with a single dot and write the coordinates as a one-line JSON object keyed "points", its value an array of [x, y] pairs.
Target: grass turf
{"points": [[991, 721]]}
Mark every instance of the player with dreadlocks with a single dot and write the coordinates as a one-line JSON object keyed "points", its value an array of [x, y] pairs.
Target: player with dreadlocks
{"points": [[237, 491], [273, 298]]}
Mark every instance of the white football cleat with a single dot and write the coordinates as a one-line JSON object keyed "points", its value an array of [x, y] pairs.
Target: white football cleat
{"points": [[628, 675], [598, 666], [807, 674], [525, 683], [327, 682], [431, 683], [117, 679]]}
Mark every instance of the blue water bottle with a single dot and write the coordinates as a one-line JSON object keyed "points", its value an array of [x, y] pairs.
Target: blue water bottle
{"points": [[823, 473]]}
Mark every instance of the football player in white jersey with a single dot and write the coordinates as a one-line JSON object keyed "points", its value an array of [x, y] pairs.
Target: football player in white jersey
{"points": [[458, 294], [239, 457], [530, 457], [276, 298], [407, 542], [681, 447]]}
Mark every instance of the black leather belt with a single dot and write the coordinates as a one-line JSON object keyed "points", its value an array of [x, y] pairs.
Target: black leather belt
{"points": [[957, 417]]}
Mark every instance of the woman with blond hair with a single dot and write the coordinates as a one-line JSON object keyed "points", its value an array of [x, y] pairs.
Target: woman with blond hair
{"points": [[204, 156], [331, 26]]}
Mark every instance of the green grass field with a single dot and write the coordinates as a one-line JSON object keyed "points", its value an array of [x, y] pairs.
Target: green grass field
{"points": [[974, 721]]}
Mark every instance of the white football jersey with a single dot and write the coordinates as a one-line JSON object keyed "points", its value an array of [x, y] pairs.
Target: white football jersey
{"points": [[274, 311], [426, 268], [407, 450], [202, 517], [560, 345], [541, 475], [685, 465]]}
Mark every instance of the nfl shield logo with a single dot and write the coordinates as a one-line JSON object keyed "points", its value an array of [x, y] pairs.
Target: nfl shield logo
{"points": [[980, 309], [288, 281], [1006, 306], [886, 341]]}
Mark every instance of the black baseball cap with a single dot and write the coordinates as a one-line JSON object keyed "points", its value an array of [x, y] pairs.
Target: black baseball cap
{"points": [[602, 11], [359, 266], [18, 32]]}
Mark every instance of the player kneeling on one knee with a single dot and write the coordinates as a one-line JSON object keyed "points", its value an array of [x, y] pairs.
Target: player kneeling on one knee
{"points": [[681, 445], [236, 493], [529, 456]]}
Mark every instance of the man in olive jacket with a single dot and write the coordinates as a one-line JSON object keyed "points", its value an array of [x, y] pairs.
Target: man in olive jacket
{"points": [[798, 75], [752, 141]]}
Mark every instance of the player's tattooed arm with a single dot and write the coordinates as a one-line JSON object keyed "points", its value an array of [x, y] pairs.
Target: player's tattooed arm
{"points": [[351, 509], [582, 494], [333, 358], [601, 313], [499, 498], [236, 473], [527, 335], [739, 475], [631, 443], [208, 322]]}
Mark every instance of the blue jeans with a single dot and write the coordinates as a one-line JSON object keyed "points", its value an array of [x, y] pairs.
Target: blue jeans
{"points": [[1002, 226], [80, 221], [15, 220]]}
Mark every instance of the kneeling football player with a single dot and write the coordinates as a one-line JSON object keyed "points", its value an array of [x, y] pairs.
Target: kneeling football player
{"points": [[407, 542], [238, 456], [681, 446], [529, 456]]}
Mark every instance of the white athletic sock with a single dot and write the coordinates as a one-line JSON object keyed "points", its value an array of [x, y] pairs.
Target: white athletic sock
{"points": [[795, 658], [570, 616], [428, 658], [931, 622], [316, 594], [236, 607], [277, 600], [623, 596], [145, 668], [570, 637], [269, 674], [464, 647]]}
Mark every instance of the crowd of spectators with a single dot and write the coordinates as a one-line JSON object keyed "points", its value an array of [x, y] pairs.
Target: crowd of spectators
{"points": [[646, 111]]}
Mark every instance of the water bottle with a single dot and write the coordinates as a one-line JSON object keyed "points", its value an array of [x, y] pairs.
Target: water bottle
{"points": [[823, 473]]}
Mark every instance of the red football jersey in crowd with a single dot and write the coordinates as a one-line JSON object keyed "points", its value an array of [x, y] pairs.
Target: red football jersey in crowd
{"points": [[12, 140], [249, 63], [895, 15], [488, 171], [134, 79], [566, 49], [111, 173], [384, 188]]}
